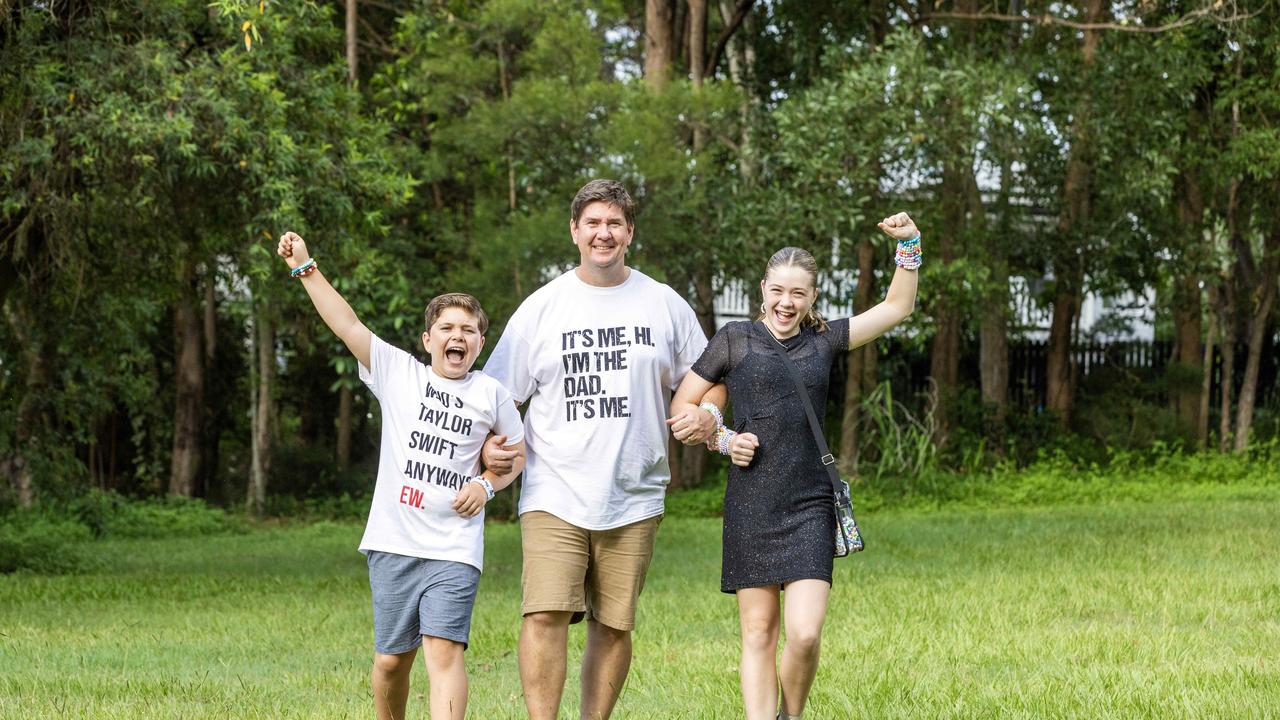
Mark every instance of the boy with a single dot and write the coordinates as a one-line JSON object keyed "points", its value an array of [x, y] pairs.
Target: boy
{"points": [[425, 534]]}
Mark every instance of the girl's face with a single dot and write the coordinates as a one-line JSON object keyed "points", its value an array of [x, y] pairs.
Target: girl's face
{"points": [[788, 294]]}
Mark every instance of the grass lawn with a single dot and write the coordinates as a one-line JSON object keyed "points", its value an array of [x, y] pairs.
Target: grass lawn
{"points": [[1138, 610]]}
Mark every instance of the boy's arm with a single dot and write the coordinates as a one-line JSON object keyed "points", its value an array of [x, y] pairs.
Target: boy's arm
{"points": [[333, 309], [472, 497]]}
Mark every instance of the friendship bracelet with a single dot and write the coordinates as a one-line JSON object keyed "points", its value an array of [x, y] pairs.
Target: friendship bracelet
{"points": [[909, 255], [720, 441], [715, 412], [304, 269]]}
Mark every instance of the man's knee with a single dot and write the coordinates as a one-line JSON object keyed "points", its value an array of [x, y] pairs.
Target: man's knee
{"points": [[606, 634], [547, 622]]}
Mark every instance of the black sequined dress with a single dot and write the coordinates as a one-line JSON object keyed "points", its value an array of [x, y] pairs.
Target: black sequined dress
{"points": [[779, 525]]}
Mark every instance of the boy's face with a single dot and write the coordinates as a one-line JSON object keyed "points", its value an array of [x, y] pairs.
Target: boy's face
{"points": [[453, 341]]}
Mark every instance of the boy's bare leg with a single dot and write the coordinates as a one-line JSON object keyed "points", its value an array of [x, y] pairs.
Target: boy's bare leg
{"points": [[544, 650], [604, 669], [447, 673], [390, 681]]}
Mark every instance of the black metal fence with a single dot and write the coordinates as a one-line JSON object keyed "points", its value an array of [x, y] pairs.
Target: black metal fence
{"points": [[1145, 362]]}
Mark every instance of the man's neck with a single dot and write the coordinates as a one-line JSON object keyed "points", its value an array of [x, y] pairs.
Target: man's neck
{"points": [[603, 277]]}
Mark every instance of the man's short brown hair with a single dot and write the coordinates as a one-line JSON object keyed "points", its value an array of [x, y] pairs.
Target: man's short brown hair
{"points": [[609, 191], [440, 303]]}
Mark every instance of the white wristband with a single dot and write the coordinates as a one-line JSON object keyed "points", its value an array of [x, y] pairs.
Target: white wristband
{"points": [[484, 483]]}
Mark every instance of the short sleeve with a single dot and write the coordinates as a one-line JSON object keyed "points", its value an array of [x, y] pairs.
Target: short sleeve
{"points": [[713, 366], [508, 420], [837, 335], [510, 364], [692, 344], [386, 362]]}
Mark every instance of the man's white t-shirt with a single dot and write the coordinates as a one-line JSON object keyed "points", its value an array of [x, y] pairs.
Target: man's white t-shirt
{"points": [[597, 365], [432, 431]]}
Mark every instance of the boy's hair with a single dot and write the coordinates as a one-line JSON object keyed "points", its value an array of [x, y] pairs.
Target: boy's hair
{"points": [[440, 303], [609, 191]]}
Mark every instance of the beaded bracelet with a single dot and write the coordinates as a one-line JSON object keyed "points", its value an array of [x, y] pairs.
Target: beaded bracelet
{"points": [[304, 269], [719, 442], [715, 412], [909, 255]]}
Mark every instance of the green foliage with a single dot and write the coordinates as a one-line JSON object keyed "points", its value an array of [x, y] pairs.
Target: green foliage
{"points": [[108, 514], [41, 543]]}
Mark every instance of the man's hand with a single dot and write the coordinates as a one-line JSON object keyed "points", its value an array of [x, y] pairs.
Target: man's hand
{"points": [[471, 500], [742, 449], [498, 459], [692, 427], [899, 227], [293, 249]]}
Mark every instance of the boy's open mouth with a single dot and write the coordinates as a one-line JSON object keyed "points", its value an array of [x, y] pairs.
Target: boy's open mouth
{"points": [[455, 354]]}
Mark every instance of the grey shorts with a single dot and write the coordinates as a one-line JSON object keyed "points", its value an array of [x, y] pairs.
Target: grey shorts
{"points": [[413, 597]]}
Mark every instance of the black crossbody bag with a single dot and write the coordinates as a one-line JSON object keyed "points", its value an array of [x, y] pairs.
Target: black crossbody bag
{"points": [[848, 536]]}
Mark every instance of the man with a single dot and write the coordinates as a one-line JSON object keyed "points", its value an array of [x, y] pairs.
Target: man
{"points": [[596, 353]]}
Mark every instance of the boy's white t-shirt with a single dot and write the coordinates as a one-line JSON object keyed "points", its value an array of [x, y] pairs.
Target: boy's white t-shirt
{"points": [[432, 431], [597, 366]]}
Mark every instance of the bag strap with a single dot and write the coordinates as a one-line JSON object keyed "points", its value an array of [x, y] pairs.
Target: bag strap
{"points": [[828, 460]]}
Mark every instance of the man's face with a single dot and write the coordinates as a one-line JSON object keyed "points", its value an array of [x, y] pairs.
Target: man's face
{"points": [[453, 341], [602, 235]]}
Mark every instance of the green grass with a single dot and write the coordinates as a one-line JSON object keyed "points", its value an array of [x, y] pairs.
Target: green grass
{"points": [[1163, 609]]}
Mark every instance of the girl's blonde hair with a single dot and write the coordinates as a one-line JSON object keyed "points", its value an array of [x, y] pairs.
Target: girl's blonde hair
{"points": [[803, 259]]}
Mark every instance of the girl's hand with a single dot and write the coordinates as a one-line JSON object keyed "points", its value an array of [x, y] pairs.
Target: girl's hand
{"points": [[742, 449], [899, 227], [293, 249]]}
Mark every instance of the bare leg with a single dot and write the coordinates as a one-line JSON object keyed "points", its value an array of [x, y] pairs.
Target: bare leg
{"points": [[447, 672], [804, 612], [390, 680], [544, 649], [605, 663], [758, 671]]}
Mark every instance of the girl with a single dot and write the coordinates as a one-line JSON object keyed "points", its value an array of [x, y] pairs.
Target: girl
{"points": [[779, 522]]}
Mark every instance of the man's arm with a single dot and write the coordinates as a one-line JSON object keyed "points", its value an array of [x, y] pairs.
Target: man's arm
{"points": [[333, 309]]}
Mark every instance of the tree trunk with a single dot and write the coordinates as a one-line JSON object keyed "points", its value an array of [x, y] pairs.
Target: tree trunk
{"points": [[352, 56], [1187, 351], [1263, 298], [188, 410], [264, 349], [861, 367], [1073, 220], [1227, 312], [659, 42], [32, 414], [944, 361], [1206, 377]]}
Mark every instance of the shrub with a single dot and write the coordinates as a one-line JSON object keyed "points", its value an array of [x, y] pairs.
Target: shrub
{"points": [[111, 515], [39, 543]]}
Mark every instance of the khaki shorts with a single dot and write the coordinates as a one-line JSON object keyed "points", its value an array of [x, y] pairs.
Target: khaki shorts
{"points": [[590, 573]]}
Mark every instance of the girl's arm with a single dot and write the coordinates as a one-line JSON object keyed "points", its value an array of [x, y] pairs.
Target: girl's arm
{"points": [[333, 309], [901, 298]]}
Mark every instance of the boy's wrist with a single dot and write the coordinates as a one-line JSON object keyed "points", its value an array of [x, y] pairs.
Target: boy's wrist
{"points": [[484, 483]]}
